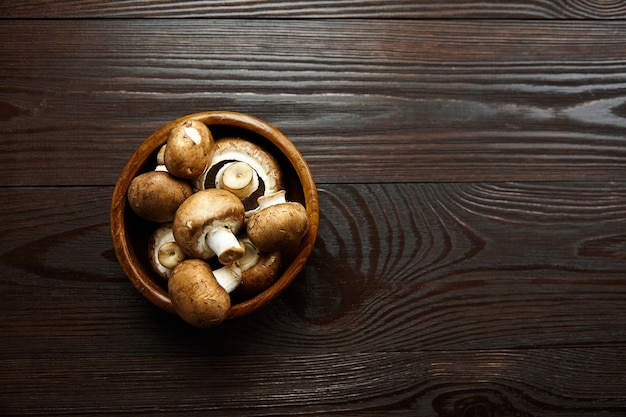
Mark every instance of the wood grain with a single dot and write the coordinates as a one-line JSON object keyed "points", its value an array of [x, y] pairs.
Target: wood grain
{"points": [[435, 299], [473, 266], [416, 101], [503, 383], [471, 165], [428, 9]]}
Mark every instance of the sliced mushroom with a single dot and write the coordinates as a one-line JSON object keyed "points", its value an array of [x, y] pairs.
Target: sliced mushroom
{"points": [[189, 149], [156, 195], [259, 269], [278, 223], [264, 165], [206, 224], [196, 294], [164, 253]]}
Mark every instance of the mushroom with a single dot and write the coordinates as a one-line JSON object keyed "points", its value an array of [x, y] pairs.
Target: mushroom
{"points": [[206, 224], [258, 269], [278, 223], [264, 165], [164, 253], [196, 293], [156, 195], [189, 149]]}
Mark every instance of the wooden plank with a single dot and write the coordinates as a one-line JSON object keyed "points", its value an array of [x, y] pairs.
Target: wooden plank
{"points": [[544, 382], [406, 9], [421, 299], [395, 268], [365, 101]]}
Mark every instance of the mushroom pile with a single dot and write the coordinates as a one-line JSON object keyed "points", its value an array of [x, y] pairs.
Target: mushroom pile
{"points": [[222, 221]]}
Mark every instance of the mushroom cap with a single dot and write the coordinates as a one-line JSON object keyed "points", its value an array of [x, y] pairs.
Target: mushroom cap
{"points": [[278, 226], [202, 212], [189, 149], [196, 295], [156, 195], [235, 149]]}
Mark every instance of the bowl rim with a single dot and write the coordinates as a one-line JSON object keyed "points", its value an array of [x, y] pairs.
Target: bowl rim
{"points": [[124, 251]]}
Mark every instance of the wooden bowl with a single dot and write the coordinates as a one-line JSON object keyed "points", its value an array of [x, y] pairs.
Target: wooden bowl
{"points": [[130, 233]]}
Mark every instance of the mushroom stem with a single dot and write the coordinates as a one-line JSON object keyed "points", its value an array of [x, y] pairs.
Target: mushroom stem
{"points": [[224, 244], [251, 257], [258, 269], [160, 160], [239, 178], [272, 199], [229, 277], [165, 253], [170, 254]]}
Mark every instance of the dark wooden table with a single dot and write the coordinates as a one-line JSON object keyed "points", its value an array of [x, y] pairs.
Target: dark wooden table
{"points": [[471, 164]]}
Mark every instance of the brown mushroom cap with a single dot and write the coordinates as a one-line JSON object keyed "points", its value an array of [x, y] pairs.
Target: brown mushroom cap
{"points": [[189, 149], [196, 295], [156, 195], [278, 226], [206, 224]]}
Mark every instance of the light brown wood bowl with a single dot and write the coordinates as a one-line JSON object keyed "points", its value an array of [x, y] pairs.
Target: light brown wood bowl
{"points": [[130, 233]]}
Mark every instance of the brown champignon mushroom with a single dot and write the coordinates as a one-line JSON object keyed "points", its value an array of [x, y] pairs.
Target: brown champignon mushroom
{"points": [[259, 269], [206, 224], [278, 223], [164, 253], [156, 195], [196, 294], [189, 149]]}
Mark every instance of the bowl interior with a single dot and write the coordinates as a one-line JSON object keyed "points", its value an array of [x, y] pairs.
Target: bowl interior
{"points": [[131, 233]]}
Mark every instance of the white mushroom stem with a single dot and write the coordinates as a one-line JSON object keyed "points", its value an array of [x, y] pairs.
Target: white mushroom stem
{"points": [[237, 177], [160, 160], [267, 200], [170, 255], [278, 197], [259, 270], [161, 156], [223, 242], [251, 257], [165, 252], [229, 277]]}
